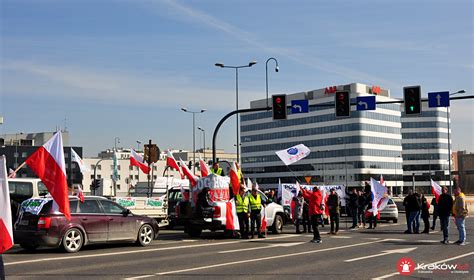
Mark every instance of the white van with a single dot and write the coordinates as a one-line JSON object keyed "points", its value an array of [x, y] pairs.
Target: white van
{"points": [[22, 189]]}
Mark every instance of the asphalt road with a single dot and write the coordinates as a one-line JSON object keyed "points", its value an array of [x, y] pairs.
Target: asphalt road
{"points": [[353, 254]]}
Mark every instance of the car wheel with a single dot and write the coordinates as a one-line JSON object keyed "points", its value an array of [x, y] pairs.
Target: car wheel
{"points": [[277, 227], [395, 221], [29, 247], [73, 240], [194, 231], [145, 235]]}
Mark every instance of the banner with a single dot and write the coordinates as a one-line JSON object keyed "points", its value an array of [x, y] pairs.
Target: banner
{"points": [[127, 201], [218, 188], [154, 202]]}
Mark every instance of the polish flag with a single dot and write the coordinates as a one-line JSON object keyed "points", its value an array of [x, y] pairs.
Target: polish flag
{"points": [[231, 219], [48, 164], [325, 202], [192, 178], [6, 230], [204, 168], [263, 214], [76, 158], [379, 192], [80, 194], [234, 179], [171, 162], [382, 182], [137, 160], [435, 189], [249, 184]]}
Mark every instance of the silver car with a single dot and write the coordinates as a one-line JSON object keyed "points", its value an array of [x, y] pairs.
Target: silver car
{"points": [[390, 212]]}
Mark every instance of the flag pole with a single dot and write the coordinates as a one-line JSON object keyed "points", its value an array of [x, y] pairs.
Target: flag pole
{"points": [[294, 175], [19, 167]]}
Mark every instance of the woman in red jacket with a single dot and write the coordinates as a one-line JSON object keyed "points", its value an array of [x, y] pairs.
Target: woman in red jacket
{"points": [[316, 209]]}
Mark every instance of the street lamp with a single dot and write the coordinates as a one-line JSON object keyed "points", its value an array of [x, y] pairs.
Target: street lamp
{"points": [[203, 141], [221, 65], [116, 140], [266, 73], [449, 141], [138, 145], [345, 155], [16, 148], [194, 134]]}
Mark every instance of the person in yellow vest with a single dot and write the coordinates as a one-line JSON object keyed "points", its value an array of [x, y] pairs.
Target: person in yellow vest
{"points": [[242, 205], [217, 170], [255, 202]]}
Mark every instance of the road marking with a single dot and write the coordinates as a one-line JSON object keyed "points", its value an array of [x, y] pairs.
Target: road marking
{"points": [[266, 247], [441, 261], [146, 250], [386, 252], [341, 236], [255, 260], [372, 238]]}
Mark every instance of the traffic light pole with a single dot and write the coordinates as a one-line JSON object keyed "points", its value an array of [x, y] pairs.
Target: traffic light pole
{"points": [[95, 173]]}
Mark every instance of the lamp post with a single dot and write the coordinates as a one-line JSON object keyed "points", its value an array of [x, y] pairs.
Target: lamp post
{"points": [[16, 148], [345, 156], [194, 133], [138, 169], [116, 140], [266, 73], [221, 65], [449, 142], [203, 141], [395, 171]]}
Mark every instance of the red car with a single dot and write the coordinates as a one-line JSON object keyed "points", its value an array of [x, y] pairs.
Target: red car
{"points": [[97, 220]]}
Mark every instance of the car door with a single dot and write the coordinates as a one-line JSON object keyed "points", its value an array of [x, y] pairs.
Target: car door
{"points": [[120, 226], [93, 220]]}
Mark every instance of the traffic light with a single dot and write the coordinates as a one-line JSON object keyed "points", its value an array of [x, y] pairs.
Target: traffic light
{"points": [[100, 183], [94, 184], [412, 100], [342, 103], [279, 107]]}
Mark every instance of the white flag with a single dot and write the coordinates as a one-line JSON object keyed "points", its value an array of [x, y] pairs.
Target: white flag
{"points": [[76, 158], [293, 154], [378, 191]]}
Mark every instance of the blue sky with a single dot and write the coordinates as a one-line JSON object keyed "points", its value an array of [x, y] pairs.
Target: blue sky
{"points": [[125, 68]]}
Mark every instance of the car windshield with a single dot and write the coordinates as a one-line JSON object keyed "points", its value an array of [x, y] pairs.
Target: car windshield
{"points": [[42, 190]]}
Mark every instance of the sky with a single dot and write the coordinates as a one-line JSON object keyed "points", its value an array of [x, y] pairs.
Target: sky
{"points": [[107, 69]]}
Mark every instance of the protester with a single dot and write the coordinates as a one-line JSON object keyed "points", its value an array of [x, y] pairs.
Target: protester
{"points": [[242, 206], [271, 196], [363, 202], [414, 206], [333, 206], [370, 214], [445, 206], [217, 170], [354, 206], [316, 209], [306, 217], [298, 213], [407, 211], [435, 212], [460, 212], [425, 213], [255, 202]]}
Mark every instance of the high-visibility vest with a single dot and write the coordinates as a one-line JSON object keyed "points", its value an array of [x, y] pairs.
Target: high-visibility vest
{"points": [[218, 172], [255, 202], [242, 204]]}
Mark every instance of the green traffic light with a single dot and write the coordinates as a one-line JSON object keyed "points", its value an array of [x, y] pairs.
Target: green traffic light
{"points": [[412, 108]]}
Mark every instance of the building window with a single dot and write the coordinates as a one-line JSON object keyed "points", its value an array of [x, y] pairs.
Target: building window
{"points": [[15, 154], [92, 166], [99, 167], [99, 176], [130, 167], [92, 177], [136, 177], [118, 187], [66, 155], [24, 154]]}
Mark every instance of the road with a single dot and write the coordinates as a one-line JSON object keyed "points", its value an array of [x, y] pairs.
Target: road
{"points": [[358, 254]]}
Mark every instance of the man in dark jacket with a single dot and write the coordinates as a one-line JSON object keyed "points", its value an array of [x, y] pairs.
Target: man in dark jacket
{"points": [[333, 206], [354, 206], [363, 202], [434, 202], [425, 213], [407, 211], [414, 204], [445, 207]]}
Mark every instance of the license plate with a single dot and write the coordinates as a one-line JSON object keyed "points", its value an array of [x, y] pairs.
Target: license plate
{"points": [[23, 223]]}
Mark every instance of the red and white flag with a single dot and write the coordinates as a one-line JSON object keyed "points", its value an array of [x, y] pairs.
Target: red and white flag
{"points": [[234, 179], [192, 178], [436, 190], [137, 160], [378, 191], [382, 182], [6, 230], [76, 158], [263, 214], [48, 164], [205, 170], [171, 162], [231, 219], [80, 194]]}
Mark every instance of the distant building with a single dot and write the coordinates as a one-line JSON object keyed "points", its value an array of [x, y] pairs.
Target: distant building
{"points": [[464, 171]]}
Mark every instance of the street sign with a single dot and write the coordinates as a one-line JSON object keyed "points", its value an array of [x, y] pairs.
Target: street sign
{"points": [[438, 99], [299, 106], [365, 103]]}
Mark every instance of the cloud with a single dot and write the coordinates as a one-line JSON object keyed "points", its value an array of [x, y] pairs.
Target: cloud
{"points": [[110, 87]]}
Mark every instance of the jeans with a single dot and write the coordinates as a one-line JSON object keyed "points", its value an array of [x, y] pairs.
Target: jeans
{"points": [[414, 218], [243, 224], [255, 218], [361, 214], [306, 221], [444, 221], [461, 224], [372, 221], [334, 220], [354, 216], [314, 220], [435, 216], [298, 222]]}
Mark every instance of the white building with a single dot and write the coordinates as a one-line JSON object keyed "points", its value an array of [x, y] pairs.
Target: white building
{"points": [[367, 144], [425, 148]]}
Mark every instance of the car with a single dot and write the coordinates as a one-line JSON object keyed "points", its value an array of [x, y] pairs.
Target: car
{"points": [[96, 220], [390, 212]]}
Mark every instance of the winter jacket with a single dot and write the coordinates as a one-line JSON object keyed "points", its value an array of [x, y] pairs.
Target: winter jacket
{"points": [[353, 200], [333, 203], [425, 210], [445, 205], [315, 199], [460, 206]]}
